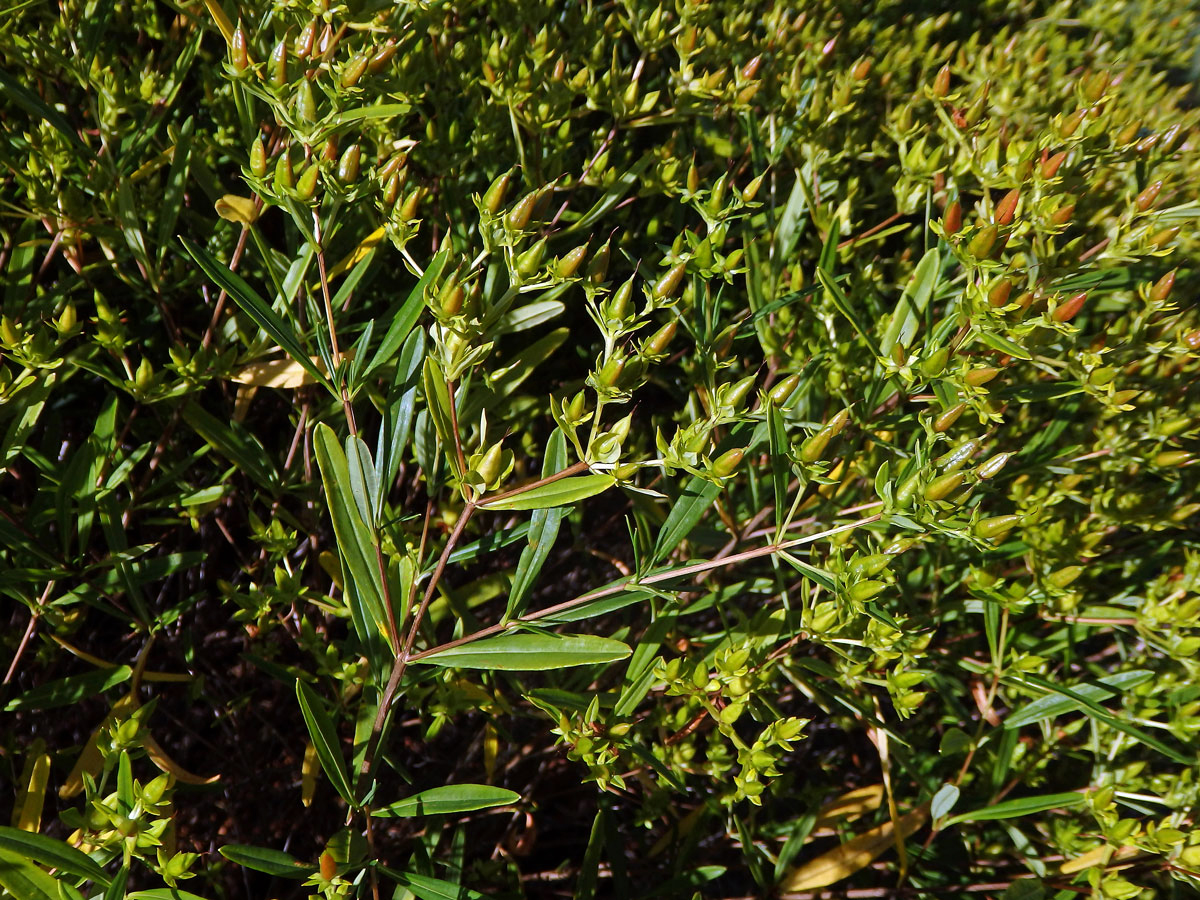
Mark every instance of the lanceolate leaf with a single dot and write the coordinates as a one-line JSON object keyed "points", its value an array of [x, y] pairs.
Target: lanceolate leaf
{"points": [[406, 317], [563, 492], [543, 529], [855, 854], [530, 652], [913, 301], [51, 852], [325, 739], [453, 798], [1054, 705], [256, 307], [68, 691], [697, 498], [1023, 806], [355, 539], [264, 859]]}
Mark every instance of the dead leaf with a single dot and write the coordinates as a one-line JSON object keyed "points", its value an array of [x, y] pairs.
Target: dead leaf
{"points": [[159, 757], [240, 210], [850, 805], [857, 853]]}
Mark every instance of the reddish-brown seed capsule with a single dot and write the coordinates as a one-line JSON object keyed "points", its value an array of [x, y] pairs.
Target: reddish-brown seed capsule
{"points": [[1050, 166], [948, 418], [1161, 238], [1072, 122], [1068, 310], [999, 293], [1146, 198], [1006, 209], [1162, 288], [328, 866], [941, 82], [981, 376], [1063, 214], [952, 220], [1192, 340]]}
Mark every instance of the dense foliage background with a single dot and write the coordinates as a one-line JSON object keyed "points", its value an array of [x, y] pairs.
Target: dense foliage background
{"points": [[589, 449]]}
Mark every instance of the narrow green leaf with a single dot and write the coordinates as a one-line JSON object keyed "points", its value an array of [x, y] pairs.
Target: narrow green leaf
{"points": [[697, 497], [363, 113], [163, 894], [427, 888], [1022, 806], [264, 859], [234, 443], [563, 492], [530, 652], [452, 798], [51, 852], [325, 739], [543, 530], [68, 691], [1003, 344], [355, 538], [257, 308], [1054, 705], [38, 109], [25, 881], [173, 190], [914, 300], [843, 306], [407, 315], [399, 413], [780, 463], [1103, 715]]}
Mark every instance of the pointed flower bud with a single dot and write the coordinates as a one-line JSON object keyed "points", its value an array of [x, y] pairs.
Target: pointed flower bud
{"points": [[569, 264], [952, 220], [999, 293], [354, 69], [1068, 310], [1006, 209], [522, 212], [944, 485], [258, 158], [992, 467], [782, 391], [304, 42], [813, 449], [941, 82], [1162, 288], [981, 376], [668, 284], [1146, 198], [278, 64], [657, 343], [493, 198], [726, 464], [239, 56], [1051, 166], [381, 57], [995, 526], [981, 245], [943, 422]]}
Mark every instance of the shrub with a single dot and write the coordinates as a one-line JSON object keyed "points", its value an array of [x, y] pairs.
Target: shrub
{"points": [[778, 421]]}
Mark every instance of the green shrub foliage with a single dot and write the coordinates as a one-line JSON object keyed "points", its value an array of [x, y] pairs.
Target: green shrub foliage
{"points": [[617, 448]]}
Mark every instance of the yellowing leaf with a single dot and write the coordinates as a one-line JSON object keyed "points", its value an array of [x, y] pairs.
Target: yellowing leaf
{"points": [[308, 774], [105, 664], [850, 805], [168, 765], [280, 373], [241, 210], [27, 811], [91, 759], [857, 853], [355, 256], [222, 20], [1097, 856]]}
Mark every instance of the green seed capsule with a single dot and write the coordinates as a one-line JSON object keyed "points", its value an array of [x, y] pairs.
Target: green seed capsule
{"points": [[751, 190], [959, 456], [531, 260], [577, 407], [813, 449], [347, 170], [446, 299], [1065, 577], [736, 395], [943, 422], [258, 159], [726, 464], [868, 566], [866, 590], [934, 364], [668, 284], [992, 466], [284, 177], [944, 485], [569, 264], [354, 70], [391, 191], [611, 371], [620, 305], [598, 268], [658, 342], [781, 392], [1169, 459], [278, 64], [239, 56], [306, 187], [981, 245], [1072, 122], [1160, 239], [522, 212], [493, 198], [489, 467], [382, 56], [995, 526], [306, 102], [980, 377]]}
